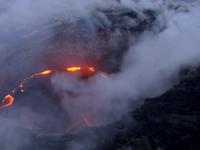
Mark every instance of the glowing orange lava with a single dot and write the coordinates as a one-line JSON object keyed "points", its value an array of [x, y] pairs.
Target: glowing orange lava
{"points": [[74, 69], [14, 90], [104, 76], [83, 120], [86, 121], [73, 125], [45, 72], [7, 101], [91, 69], [37, 74]]}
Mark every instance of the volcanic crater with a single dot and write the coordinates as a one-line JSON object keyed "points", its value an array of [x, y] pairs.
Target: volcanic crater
{"points": [[80, 49], [27, 71]]}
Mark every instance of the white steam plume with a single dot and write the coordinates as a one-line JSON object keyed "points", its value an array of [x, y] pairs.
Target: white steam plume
{"points": [[148, 67]]}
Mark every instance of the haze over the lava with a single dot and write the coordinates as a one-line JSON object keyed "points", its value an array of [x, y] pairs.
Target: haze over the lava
{"points": [[150, 67], [152, 61]]}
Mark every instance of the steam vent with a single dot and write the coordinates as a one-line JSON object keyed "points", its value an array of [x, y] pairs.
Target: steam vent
{"points": [[99, 75]]}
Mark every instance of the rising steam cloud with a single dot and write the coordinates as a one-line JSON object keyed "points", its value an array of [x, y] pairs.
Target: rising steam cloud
{"points": [[147, 70], [150, 67]]}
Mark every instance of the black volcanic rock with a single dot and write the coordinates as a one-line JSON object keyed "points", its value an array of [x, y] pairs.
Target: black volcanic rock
{"points": [[168, 122]]}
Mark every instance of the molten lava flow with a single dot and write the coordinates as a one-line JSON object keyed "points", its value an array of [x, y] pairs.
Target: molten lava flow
{"points": [[14, 90], [91, 69], [74, 69], [86, 121], [73, 125], [7, 101], [37, 74], [83, 120], [104, 76], [45, 72]]}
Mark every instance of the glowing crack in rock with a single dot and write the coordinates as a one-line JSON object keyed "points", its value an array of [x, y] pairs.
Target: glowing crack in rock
{"points": [[91, 69], [83, 120], [74, 69], [8, 100], [37, 74], [104, 76]]}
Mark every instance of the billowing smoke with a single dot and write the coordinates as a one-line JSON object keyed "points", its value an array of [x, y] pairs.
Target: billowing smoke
{"points": [[149, 68]]}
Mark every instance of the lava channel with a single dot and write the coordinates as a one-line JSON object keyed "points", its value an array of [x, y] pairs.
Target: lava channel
{"points": [[74, 69], [83, 120], [8, 100], [37, 74]]}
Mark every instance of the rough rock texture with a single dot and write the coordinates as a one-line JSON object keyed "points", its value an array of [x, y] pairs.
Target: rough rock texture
{"points": [[168, 122]]}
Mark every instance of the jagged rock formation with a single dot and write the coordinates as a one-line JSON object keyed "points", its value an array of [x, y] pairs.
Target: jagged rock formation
{"points": [[168, 122]]}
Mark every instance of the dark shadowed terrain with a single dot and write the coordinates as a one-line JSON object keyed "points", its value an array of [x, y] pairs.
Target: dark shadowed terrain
{"points": [[169, 122]]}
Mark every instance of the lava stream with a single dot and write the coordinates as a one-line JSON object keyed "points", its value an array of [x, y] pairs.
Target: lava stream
{"points": [[8, 100], [83, 120], [86, 121], [74, 69], [104, 76], [91, 69], [14, 90], [73, 125], [37, 74]]}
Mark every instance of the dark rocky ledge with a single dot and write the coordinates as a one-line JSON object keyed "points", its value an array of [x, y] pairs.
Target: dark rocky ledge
{"points": [[168, 122]]}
